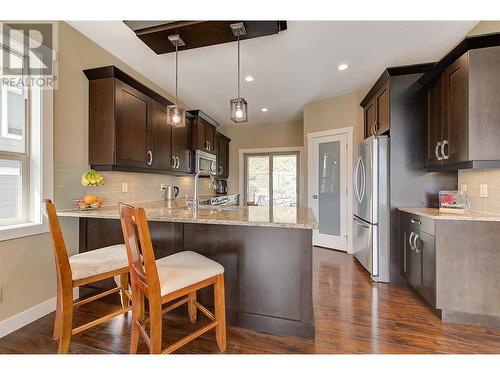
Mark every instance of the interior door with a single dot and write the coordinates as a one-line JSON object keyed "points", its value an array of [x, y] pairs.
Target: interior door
{"points": [[328, 191]]}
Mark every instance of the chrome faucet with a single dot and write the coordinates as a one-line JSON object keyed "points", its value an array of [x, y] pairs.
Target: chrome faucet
{"points": [[196, 178]]}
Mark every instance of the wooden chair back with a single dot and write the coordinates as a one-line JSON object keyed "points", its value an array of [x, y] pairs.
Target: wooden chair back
{"points": [[143, 273], [63, 268]]}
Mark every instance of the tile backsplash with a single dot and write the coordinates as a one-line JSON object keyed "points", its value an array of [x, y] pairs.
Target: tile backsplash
{"points": [[474, 178], [141, 186]]}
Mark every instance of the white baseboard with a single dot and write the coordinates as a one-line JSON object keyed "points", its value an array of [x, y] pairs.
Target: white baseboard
{"points": [[25, 317]]}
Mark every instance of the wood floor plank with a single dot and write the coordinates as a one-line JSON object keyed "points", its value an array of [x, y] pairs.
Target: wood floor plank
{"points": [[352, 315]]}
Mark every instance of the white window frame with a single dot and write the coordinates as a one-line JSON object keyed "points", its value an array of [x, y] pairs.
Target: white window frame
{"points": [[274, 150], [37, 167], [5, 113]]}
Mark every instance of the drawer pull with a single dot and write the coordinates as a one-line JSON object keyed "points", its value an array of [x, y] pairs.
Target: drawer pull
{"points": [[415, 221]]}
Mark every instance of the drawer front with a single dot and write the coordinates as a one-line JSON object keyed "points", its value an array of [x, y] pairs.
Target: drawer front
{"points": [[420, 223]]}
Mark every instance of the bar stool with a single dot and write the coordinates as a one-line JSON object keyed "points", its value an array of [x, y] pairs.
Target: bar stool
{"points": [[167, 279], [79, 270]]}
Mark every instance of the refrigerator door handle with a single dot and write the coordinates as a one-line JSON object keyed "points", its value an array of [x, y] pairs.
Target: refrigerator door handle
{"points": [[355, 180], [363, 174]]}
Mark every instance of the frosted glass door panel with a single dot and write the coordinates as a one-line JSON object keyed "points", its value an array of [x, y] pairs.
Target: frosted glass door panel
{"points": [[329, 188]]}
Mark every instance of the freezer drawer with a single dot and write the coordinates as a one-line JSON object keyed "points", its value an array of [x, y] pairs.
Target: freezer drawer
{"points": [[365, 244]]}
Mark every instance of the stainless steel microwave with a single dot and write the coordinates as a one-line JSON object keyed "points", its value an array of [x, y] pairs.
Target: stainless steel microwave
{"points": [[204, 161]]}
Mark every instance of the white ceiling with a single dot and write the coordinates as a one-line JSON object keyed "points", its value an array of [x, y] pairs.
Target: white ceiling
{"points": [[295, 67]]}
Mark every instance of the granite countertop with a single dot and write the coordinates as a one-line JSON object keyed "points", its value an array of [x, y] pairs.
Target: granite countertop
{"points": [[435, 214], [176, 211]]}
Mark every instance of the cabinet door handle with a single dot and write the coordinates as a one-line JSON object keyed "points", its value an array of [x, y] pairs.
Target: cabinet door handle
{"points": [[417, 237], [437, 152], [415, 221], [173, 161], [221, 169], [374, 132], [410, 240], [177, 162], [444, 155], [209, 146], [150, 158]]}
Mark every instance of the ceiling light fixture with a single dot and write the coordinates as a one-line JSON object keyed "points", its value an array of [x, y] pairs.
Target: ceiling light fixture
{"points": [[176, 116], [238, 106], [343, 67], [264, 109], [249, 78]]}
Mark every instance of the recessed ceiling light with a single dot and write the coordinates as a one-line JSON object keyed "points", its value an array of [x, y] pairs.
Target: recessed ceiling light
{"points": [[264, 109], [343, 67], [249, 78]]}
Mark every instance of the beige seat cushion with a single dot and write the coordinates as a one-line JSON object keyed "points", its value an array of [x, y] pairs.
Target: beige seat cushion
{"points": [[98, 261], [186, 268]]}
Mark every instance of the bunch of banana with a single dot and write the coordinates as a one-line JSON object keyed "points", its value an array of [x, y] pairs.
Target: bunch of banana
{"points": [[92, 178]]}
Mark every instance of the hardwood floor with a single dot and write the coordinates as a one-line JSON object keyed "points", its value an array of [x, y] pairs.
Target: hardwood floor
{"points": [[352, 315]]}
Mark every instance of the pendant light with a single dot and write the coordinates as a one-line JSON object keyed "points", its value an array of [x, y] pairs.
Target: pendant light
{"points": [[176, 116], [239, 106]]}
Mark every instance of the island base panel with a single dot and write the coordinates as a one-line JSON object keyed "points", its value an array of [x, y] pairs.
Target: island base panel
{"points": [[268, 271]]}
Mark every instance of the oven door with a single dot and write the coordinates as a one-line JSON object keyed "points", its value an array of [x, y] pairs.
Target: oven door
{"points": [[204, 161]]}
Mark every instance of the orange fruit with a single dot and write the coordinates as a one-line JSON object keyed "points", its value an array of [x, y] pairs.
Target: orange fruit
{"points": [[89, 199]]}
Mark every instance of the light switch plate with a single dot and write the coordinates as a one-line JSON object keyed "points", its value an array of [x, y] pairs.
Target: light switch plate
{"points": [[124, 187], [483, 190]]}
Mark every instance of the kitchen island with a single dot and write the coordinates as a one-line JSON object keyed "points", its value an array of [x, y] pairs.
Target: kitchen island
{"points": [[266, 253]]}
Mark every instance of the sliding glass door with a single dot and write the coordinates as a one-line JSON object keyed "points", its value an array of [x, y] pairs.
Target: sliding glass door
{"points": [[272, 178]]}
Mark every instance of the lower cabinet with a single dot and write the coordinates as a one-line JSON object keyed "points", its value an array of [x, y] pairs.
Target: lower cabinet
{"points": [[419, 255]]}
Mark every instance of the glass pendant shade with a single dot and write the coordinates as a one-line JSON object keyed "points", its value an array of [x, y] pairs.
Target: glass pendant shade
{"points": [[239, 110], [176, 116]]}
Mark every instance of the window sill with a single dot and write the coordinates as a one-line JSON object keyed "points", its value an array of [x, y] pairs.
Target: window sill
{"points": [[22, 230]]}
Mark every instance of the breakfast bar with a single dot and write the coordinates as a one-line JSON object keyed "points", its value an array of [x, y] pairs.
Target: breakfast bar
{"points": [[266, 253]]}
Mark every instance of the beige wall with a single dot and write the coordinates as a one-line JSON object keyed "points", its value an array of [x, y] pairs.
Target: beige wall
{"points": [[333, 113], [485, 27], [286, 134], [27, 267]]}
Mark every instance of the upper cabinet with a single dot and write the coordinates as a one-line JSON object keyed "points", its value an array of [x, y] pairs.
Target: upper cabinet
{"points": [[128, 128], [376, 118], [222, 149], [203, 132], [377, 103], [463, 111]]}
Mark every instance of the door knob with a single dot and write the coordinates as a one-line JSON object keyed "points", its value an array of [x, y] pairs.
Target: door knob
{"points": [[315, 196]]}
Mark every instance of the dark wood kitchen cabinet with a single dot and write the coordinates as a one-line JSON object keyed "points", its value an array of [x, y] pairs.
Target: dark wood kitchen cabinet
{"points": [[203, 131], [376, 111], [222, 149], [128, 128], [419, 255], [463, 111]]}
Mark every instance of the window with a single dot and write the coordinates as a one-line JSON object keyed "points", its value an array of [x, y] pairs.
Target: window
{"points": [[272, 177], [25, 154]]}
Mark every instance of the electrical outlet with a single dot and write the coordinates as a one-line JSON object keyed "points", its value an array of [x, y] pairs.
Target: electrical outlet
{"points": [[463, 188], [162, 187], [124, 187], [483, 190]]}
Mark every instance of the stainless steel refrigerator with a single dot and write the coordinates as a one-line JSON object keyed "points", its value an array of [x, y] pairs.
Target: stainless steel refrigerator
{"points": [[371, 211]]}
